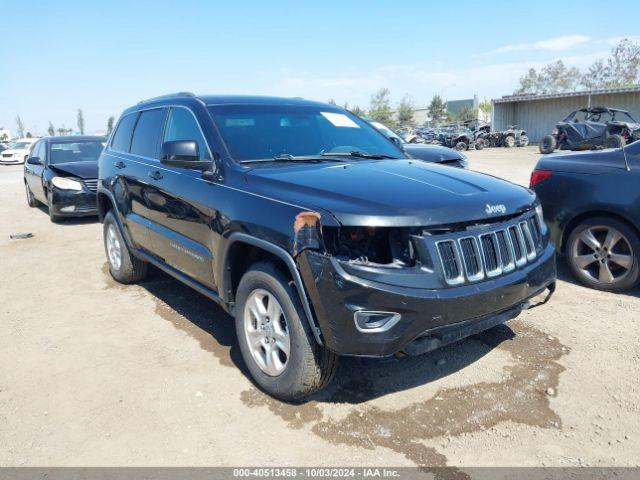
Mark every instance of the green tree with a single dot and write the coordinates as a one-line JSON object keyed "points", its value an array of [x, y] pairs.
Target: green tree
{"points": [[51, 131], [406, 110], [356, 110], [486, 107], [380, 108], [552, 78], [436, 109], [29, 135], [110, 125], [621, 69], [466, 113], [80, 122], [20, 126], [332, 101]]}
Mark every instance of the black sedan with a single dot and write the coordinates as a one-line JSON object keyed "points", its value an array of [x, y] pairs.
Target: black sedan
{"points": [[428, 153], [61, 173], [592, 207]]}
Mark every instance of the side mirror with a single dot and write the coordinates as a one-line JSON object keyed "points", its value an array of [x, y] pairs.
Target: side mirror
{"points": [[183, 154], [397, 142], [34, 161]]}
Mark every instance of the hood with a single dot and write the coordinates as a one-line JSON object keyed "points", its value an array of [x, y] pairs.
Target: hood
{"points": [[82, 170], [391, 192], [431, 153]]}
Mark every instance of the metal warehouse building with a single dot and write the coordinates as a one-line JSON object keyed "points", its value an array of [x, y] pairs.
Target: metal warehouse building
{"points": [[538, 114]]}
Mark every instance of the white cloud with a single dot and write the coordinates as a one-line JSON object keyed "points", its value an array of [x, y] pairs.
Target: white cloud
{"points": [[556, 44]]}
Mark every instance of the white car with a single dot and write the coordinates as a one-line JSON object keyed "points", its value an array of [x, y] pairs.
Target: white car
{"points": [[18, 151]]}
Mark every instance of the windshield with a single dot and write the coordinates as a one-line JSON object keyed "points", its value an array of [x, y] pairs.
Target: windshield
{"points": [[267, 131], [69, 152], [21, 145]]}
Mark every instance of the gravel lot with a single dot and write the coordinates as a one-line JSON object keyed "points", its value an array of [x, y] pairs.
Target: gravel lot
{"points": [[94, 373]]}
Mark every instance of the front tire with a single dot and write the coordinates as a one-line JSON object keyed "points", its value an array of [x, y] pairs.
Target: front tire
{"points": [[52, 216], [479, 144], [509, 141], [524, 141], [603, 253], [460, 146], [548, 144], [123, 266], [275, 339]]}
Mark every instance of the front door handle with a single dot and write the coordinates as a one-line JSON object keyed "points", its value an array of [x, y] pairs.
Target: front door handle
{"points": [[155, 175], [120, 164]]}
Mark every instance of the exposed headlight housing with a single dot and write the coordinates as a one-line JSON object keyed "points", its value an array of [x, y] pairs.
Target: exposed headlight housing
{"points": [[540, 214], [64, 183]]}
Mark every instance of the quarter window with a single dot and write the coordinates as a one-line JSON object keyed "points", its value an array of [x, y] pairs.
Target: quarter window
{"points": [[122, 137], [147, 133], [182, 125]]}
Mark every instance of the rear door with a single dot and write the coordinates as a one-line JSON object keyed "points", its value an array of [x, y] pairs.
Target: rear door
{"points": [[179, 209]]}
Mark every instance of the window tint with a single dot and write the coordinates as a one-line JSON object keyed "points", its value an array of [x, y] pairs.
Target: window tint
{"points": [[182, 125], [122, 137], [69, 152], [147, 133]]}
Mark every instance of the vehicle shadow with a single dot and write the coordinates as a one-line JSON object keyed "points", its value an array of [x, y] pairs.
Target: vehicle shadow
{"points": [[357, 380]]}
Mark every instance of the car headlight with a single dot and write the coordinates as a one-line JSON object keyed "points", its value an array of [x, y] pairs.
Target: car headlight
{"points": [[540, 215], [66, 183]]}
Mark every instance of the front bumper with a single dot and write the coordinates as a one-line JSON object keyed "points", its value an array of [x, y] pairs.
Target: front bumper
{"points": [[73, 203], [11, 160], [446, 314]]}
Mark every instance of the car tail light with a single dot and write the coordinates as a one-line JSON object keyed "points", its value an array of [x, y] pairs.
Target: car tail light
{"points": [[538, 176]]}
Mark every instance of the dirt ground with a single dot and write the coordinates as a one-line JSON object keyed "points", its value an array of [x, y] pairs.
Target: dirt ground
{"points": [[97, 374]]}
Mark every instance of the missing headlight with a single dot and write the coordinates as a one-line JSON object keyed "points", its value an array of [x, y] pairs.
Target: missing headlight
{"points": [[371, 245]]}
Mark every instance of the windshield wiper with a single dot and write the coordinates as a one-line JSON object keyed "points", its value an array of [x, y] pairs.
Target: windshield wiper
{"points": [[286, 157], [358, 154]]}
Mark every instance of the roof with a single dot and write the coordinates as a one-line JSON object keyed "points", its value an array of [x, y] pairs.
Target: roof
{"points": [[74, 138], [532, 97], [229, 100]]}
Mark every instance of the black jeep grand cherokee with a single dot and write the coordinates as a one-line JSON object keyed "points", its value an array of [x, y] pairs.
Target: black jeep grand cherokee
{"points": [[315, 232]]}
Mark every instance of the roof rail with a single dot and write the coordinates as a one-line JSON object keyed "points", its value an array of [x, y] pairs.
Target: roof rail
{"points": [[168, 96]]}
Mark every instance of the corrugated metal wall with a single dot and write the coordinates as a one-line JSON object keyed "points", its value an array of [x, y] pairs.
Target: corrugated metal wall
{"points": [[538, 117]]}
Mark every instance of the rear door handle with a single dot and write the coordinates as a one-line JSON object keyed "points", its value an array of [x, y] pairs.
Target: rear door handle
{"points": [[120, 164], [155, 175]]}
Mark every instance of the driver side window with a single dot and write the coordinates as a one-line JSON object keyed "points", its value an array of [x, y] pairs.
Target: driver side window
{"points": [[182, 125]]}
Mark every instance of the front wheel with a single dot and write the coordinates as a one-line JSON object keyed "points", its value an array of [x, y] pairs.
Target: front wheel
{"points": [[524, 141], [548, 144], [479, 144], [123, 266], [509, 141], [275, 339], [460, 146], [603, 253]]}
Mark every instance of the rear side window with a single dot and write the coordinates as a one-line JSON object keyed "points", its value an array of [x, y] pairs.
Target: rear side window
{"points": [[182, 125], [147, 133], [122, 137]]}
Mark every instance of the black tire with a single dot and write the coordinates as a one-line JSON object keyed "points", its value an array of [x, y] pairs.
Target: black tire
{"points": [[615, 141], [524, 141], [629, 246], [52, 216], [548, 144], [509, 141], [479, 144], [460, 146], [31, 200], [130, 269], [309, 367]]}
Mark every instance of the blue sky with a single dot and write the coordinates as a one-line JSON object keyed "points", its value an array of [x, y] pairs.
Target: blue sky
{"points": [[56, 57]]}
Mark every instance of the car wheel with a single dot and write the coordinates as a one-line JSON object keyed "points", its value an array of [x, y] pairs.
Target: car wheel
{"points": [[548, 144], [615, 141], [31, 200], [524, 141], [52, 216], [603, 253], [275, 339], [123, 266], [460, 146], [509, 141], [479, 144]]}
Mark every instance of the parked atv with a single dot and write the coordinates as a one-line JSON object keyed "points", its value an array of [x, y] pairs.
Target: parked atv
{"points": [[590, 128], [513, 137], [458, 137]]}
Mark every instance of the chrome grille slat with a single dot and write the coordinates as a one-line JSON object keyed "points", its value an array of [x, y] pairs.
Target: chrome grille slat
{"points": [[491, 252], [92, 184]]}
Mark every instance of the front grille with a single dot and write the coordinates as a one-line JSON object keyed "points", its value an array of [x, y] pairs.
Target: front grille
{"points": [[92, 184], [7, 155], [498, 251]]}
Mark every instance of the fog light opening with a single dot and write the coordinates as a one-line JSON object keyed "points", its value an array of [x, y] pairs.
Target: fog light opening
{"points": [[373, 322], [70, 208]]}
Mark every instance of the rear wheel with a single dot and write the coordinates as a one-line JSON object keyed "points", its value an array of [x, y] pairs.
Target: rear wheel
{"points": [[275, 339], [603, 254], [509, 141], [615, 141], [31, 200], [123, 266], [524, 141], [479, 144], [548, 144], [460, 146]]}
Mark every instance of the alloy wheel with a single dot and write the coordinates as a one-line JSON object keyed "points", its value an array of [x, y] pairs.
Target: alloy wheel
{"points": [[266, 332], [602, 254], [114, 249]]}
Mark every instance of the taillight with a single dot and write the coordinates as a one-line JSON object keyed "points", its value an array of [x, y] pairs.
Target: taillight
{"points": [[538, 176]]}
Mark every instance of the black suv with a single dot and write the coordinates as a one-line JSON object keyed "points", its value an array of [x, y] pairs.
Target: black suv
{"points": [[315, 232]]}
